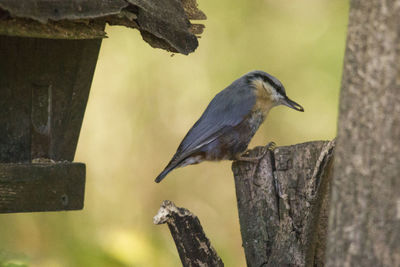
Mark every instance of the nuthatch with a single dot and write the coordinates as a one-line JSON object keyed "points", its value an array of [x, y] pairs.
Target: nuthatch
{"points": [[230, 121]]}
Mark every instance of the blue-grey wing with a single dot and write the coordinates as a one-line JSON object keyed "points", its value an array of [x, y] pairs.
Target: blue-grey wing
{"points": [[226, 110]]}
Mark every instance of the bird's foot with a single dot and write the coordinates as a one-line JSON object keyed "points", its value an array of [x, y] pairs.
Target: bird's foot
{"points": [[269, 147]]}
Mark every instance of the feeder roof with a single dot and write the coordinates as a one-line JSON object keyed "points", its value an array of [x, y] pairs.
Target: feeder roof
{"points": [[163, 24]]}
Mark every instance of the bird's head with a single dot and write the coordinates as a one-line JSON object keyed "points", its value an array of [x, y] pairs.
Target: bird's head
{"points": [[272, 88]]}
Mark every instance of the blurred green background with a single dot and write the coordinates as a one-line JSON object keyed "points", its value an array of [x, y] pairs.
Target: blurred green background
{"points": [[142, 103]]}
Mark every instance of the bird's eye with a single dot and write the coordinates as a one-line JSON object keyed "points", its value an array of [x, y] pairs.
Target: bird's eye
{"points": [[281, 90]]}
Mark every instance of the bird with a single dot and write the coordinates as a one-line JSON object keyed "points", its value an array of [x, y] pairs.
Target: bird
{"points": [[230, 121]]}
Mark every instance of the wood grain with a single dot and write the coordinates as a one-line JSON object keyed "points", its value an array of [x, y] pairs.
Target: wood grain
{"points": [[280, 202], [41, 187]]}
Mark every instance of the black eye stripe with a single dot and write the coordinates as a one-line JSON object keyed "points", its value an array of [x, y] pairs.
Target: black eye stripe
{"points": [[269, 79], [277, 86]]}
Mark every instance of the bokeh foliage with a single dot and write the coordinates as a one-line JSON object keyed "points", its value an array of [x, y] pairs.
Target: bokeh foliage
{"points": [[142, 103]]}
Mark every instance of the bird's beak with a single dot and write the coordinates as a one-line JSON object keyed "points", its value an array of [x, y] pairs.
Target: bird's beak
{"points": [[291, 104]]}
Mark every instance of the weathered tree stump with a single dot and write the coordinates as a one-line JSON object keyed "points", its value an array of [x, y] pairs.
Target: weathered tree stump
{"points": [[280, 204], [283, 206]]}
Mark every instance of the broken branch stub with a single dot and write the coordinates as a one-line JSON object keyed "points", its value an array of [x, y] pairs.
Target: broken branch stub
{"points": [[282, 201], [192, 244]]}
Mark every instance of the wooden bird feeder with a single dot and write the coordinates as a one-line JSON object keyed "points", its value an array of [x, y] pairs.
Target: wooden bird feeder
{"points": [[48, 54]]}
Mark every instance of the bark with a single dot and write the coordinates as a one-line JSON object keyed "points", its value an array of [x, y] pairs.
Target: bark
{"points": [[364, 218], [193, 246], [282, 202], [163, 24]]}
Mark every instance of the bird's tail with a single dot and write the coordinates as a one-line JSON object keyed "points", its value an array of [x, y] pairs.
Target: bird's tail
{"points": [[164, 173]]}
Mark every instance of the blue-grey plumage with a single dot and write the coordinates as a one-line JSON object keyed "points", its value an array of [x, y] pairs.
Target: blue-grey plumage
{"points": [[230, 121]]}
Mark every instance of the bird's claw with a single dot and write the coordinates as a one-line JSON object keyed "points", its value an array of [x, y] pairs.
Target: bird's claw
{"points": [[269, 147]]}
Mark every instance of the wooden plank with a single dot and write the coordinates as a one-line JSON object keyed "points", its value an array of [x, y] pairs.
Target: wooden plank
{"points": [[70, 94], [44, 87], [41, 187], [15, 105]]}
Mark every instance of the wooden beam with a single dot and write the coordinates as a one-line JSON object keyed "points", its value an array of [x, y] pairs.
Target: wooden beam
{"points": [[41, 187]]}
